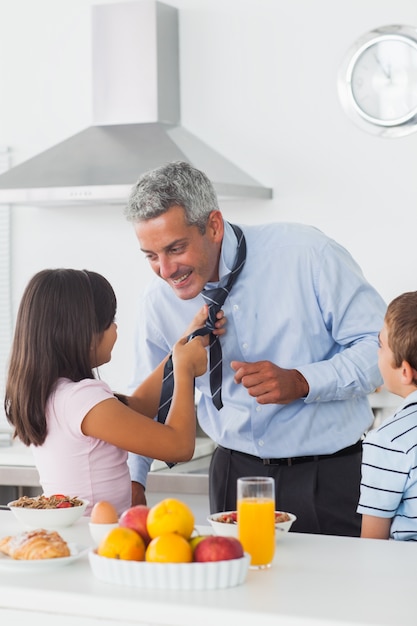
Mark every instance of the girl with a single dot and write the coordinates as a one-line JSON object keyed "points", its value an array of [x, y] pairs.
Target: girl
{"points": [[78, 429]]}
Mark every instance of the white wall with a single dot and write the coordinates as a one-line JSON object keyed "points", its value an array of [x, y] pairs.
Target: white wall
{"points": [[258, 85]]}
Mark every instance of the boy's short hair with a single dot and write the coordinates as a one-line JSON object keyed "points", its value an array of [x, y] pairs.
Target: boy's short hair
{"points": [[401, 323]]}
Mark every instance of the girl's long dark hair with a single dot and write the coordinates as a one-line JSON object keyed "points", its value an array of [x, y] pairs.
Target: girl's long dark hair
{"points": [[61, 313]]}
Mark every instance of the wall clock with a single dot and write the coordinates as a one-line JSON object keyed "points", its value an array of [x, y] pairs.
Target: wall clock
{"points": [[377, 81]]}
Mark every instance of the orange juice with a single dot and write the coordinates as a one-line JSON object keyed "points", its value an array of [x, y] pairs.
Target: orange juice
{"points": [[256, 529]]}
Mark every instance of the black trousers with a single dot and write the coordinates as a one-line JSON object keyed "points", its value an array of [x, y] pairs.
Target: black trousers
{"points": [[323, 493]]}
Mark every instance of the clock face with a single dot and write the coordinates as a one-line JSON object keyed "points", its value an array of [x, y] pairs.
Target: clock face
{"points": [[377, 81], [384, 80]]}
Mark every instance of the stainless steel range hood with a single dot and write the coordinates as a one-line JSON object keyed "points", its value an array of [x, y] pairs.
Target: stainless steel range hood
{"points": [[136, 120]]}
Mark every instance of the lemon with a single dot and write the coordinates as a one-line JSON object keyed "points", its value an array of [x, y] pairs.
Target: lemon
{"points": [[170, 516]]}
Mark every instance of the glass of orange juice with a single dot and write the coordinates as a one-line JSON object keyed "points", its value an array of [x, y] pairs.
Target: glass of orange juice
{"points": [[256, 518]]}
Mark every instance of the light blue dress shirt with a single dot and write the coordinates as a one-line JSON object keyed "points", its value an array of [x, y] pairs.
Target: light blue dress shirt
{"points": [[301, 302]]}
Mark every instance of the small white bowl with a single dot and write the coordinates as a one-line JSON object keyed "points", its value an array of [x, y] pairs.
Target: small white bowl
{"points": [[223, 528], [229, 529], [99, 531], [50, 519]]}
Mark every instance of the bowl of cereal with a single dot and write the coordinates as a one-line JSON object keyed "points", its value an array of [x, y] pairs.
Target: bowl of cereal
{"points": [[226, 523], [49, 512]]}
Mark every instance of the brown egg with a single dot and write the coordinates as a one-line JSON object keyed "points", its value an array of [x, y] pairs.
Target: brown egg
{"points": [[104, 513]]}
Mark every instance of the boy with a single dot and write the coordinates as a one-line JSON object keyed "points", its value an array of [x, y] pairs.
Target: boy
{"points": [[388, 500]]}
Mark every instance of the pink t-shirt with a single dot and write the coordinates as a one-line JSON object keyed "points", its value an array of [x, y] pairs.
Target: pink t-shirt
{"points": [[71, 463]]}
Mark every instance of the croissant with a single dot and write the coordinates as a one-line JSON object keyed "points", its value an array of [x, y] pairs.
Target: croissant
{"points": [[35, 544]]}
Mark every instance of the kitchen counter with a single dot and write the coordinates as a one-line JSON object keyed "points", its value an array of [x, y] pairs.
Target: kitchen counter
{"points": [[17, 467], [314, 580]]}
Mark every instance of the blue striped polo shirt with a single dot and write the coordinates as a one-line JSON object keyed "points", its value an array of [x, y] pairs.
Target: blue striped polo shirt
{"points": [[389, 471]]}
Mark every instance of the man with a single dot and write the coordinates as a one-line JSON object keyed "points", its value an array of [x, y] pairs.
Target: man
{"points": [[299, 352]]}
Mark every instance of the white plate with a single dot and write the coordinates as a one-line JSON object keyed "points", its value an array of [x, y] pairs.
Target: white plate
{"points": [[41, 565], [213, 575]]}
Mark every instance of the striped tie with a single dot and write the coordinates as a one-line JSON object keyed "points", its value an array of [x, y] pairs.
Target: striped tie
{"points": [[215, 299]]}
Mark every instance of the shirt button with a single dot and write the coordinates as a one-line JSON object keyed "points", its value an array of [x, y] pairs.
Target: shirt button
{"points": [[261, 442], [235, 307], [245, 346], [258, 408]]}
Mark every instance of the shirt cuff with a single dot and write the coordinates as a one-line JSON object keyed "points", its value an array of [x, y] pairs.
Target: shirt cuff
{"points": [[139, 467]]}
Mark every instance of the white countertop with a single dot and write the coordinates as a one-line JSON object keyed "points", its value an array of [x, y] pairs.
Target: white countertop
{"points": [[314, 580], [383, 399], [16, 454]]}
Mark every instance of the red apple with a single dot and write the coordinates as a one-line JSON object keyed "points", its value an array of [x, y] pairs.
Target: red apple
{"points": [[135, 518], [217, 548]]}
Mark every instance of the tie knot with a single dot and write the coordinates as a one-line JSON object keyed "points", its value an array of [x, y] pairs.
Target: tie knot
{"points": [[215, 299]]}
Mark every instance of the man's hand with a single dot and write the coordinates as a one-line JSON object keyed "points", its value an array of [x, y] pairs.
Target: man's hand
{"points": [[138, 494], [270, 384]]}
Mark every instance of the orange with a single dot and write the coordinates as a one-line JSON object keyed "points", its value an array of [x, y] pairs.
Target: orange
{"points": [[170, 516], [169, 548], [122, 543]]}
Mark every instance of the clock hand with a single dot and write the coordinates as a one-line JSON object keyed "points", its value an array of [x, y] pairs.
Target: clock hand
{"points": [[386, 71]]}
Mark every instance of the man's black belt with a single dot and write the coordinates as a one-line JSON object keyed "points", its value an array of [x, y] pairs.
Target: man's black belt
{"points": [[294, 460]]}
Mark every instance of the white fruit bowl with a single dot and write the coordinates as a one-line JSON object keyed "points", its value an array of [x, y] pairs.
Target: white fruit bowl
{"points": [[49, 519], [189, 576], [229, 529]]}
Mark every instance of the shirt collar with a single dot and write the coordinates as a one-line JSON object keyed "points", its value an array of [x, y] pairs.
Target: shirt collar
{"points": [[228, 251], [410, 399]]}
